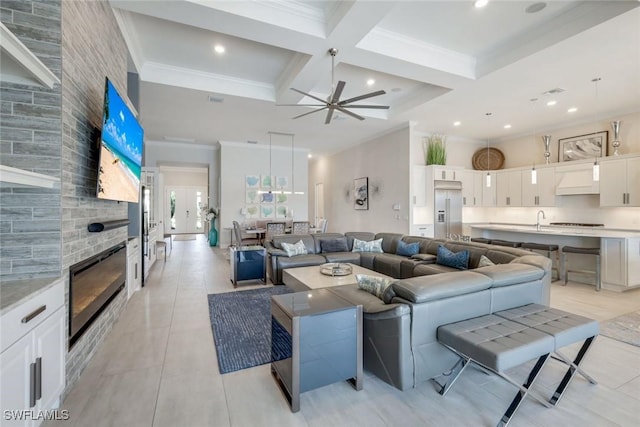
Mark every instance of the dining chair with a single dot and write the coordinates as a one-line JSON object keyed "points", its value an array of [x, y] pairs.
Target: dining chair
{"points": [[243, 239], [273, 229], [322, 225], [300, 227]]}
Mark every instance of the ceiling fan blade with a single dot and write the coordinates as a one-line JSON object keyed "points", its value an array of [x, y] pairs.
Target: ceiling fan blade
{"points": [[361, 97], [329, 115], [354, 115], [377, 107], [310, 112], [309, 95], [300, 105], [337, 92]]}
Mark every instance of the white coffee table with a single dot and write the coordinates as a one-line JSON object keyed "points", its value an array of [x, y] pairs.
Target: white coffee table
{"points": [[304, 278]]}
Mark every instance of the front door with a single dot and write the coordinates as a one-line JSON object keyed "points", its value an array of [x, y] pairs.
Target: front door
{"points": [[184, 209]]}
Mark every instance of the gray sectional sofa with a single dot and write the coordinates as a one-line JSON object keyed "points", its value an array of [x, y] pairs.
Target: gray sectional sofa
{"points": [[400, 337]]}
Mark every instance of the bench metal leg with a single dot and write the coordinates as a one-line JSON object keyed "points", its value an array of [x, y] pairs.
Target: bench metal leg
{"points": [[524, 391], [453, 375], [574, 367]]}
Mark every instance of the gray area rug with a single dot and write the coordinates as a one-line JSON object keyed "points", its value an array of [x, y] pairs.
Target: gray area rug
{"points": [[625, 328], [242, 329]]}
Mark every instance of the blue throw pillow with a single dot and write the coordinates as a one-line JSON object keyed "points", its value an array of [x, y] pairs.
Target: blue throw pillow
{"points": [[407, 249], [459, 260]]}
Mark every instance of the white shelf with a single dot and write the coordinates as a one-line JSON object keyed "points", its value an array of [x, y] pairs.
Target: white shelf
{"points": [[20, 65], [14, 177]]}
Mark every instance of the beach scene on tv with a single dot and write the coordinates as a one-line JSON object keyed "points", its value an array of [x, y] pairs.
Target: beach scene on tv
{"points": [[120, 150]]}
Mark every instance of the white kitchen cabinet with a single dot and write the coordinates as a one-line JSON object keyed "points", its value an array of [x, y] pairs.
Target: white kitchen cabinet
{"points": [[509, 188], [422, 230], [134, 275], [620, 182], [472, 182], [543, 192], [489, 192], [445, 173], [32, 362], [419, 185], [620, 261]]}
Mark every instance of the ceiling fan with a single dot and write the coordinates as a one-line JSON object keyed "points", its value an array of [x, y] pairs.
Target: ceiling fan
{"points": [[333, 101]]}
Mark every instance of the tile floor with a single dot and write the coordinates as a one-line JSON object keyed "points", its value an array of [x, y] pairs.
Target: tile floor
{"points": [[158, 367]]}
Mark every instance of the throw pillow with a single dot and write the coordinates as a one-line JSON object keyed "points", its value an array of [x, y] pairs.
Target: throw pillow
{"points": [[336, 244], [293, 249], [378, 286], [363, 246], [485, 262], [451, 259], [407, 249]]}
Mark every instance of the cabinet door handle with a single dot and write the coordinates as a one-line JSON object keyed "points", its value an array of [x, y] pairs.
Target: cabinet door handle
{"points": [[444, 175], [414, 200], [136, 271], [32, 385], [474, 200], [38, 392], [33, 314], [454, 175], [464, 201]]}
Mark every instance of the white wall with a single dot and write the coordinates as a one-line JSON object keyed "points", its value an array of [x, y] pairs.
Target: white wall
{"points": [[459, 150], [237, 160], [385, 161], [176, 176], [163, 153]]}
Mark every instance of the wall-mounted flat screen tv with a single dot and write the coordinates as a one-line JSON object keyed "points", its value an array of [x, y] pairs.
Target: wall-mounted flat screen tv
{"points": [[121, 144]]}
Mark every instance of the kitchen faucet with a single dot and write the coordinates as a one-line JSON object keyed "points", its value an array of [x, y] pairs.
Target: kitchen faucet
{"points": [[538, 219]]}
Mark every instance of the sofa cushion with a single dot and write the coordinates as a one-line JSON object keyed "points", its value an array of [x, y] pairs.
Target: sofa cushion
{"points": [[367, 259], [300, 261], [319, 237], [511, 274], [427, 269], [343, 257], [475, 252], [459, 260], [388, 264], [407, 249], [485, 262], [426, 258], [294, 249], [438, 286], [360, 235], [389, 241], [376, 285], [371, 305], [333, 244], [500, 257], [308, 241], [370, 246]]}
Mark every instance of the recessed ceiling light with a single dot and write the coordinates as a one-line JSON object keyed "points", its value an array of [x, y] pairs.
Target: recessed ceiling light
{"points": [[536, 7], [219, 48], [507, 126], [371, 82], [457, 123], [551, 103], [309, 155], [480, 3], [572, 110]]}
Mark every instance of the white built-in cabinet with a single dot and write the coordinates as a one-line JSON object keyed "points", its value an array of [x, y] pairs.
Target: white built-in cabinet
{"points": [[134, 273], [489, 194], [419, 185], [543, 191], [620, 182], [445, 173], [620, 261], [32, 361], [509, 188], [472, 182]]}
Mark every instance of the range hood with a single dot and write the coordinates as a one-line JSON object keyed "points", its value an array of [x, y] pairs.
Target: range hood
{"points": [[576, 179]]}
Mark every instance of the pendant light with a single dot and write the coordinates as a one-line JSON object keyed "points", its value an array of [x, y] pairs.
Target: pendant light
{"points": [[534, 175], [596, 166], [488, 178]]}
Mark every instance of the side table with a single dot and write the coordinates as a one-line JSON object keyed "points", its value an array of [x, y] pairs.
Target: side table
{"points": [[324, 333], [248, 263]]}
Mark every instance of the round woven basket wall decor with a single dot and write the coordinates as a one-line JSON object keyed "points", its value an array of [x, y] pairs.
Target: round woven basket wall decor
{"points": [[488, 159]]}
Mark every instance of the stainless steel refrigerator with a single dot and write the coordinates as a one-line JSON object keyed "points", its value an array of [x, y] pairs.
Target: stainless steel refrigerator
{"points": [[448, 208]]}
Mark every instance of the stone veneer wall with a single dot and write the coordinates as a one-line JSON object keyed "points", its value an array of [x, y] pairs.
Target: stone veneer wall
{"points": [[92, 48], [30, 139]]}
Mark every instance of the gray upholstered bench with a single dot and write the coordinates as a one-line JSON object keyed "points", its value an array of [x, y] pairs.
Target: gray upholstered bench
{"points": [[510, 338]]}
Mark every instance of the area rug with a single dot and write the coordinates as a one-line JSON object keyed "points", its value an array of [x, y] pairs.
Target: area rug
{"points": [[182, 237], [241, 325], [625, 328]]}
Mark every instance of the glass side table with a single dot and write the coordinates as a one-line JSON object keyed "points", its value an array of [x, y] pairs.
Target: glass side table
{"points": [[248, 263], [324, 333]]}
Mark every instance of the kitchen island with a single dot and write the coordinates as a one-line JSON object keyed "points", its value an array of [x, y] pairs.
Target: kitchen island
{"points": [[620, 249]]}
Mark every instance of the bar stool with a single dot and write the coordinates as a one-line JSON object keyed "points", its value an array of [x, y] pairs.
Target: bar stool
{"points": [[506, 243], [582, 251], [548, 248], [481, 240]]}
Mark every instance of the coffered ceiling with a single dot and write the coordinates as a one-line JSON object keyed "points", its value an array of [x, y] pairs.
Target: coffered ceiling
{"points": [[438, 61]]}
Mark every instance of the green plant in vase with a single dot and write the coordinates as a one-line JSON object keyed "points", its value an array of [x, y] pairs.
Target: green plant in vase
{"points": [[435, 150]]}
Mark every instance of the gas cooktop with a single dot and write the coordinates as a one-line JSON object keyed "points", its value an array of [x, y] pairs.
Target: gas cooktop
{"points": [[576, 224]]}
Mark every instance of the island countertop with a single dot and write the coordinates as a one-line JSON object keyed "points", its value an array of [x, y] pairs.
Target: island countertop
{"points": [[555, 230]]}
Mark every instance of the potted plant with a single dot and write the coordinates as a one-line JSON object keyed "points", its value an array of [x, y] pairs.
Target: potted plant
{"points": [[435, 149]]}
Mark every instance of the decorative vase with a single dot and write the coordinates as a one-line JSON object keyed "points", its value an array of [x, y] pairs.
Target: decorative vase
{"points": [[616, 133], [213, 235], [547, 141]]}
